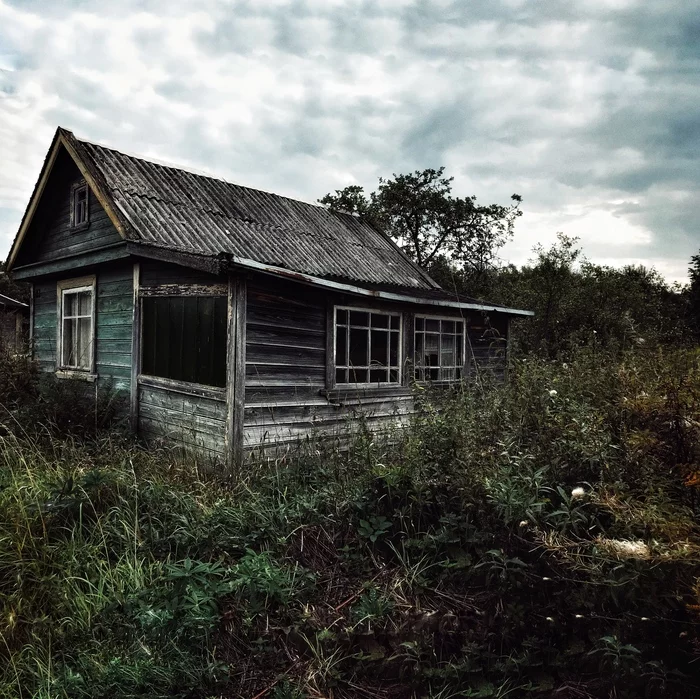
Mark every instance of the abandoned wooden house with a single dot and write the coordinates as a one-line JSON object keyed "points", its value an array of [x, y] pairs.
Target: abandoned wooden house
{"points": [[230, 317], [13, 318]]}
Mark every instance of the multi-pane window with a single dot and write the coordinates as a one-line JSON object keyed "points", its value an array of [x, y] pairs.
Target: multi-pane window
{"points": [[76, 328], [184, 338], [367, 346], [439, 349], [80, 205]]}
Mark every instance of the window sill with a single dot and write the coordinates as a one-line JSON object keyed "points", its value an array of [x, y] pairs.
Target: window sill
{"points": [[341, 394], [76, 374], [190, 389], [80, 227]]}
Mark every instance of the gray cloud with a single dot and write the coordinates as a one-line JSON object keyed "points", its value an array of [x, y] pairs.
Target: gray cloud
{"points": [[589, 110]]}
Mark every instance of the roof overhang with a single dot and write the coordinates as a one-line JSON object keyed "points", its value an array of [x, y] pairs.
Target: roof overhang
{"points": [[239, 263]]}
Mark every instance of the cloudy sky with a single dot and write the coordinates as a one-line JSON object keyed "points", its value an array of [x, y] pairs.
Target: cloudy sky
{"points": [[590, 110]]}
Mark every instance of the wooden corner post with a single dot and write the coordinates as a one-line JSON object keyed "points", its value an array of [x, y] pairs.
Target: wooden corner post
{"points": [[135, 351], [235, 374]]}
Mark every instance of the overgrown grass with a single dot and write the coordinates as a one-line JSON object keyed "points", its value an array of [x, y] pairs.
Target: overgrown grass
{"points": [[539, 539]]}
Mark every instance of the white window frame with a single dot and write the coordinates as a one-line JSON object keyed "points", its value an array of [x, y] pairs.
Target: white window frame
{"points": [[77, 187], [400, 333], [451, 319], [63, 288]]}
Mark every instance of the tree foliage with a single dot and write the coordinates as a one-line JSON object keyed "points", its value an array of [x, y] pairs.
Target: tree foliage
{"points": [[420, 212], [694, 293], [577, 302], [15, 290]]}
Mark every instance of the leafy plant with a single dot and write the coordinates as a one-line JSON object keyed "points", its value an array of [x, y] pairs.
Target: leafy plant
{"points": [[374, 528]]}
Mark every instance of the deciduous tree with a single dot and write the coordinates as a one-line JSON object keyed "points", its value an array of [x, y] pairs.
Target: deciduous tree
{"points": [[420, 212]]}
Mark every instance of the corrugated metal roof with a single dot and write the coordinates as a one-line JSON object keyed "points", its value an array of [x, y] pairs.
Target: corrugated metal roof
{"points": [[174, 208]]}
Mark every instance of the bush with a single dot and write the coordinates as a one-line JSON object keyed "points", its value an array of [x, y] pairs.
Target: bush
{"points": [[535, 539], [33, 403]]}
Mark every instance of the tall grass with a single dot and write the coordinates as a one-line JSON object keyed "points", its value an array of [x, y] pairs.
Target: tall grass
{"points": [[537, 539]]}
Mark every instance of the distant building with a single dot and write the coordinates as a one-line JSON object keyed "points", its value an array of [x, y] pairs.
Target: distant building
{"points": [[13, 321], [234, 318]]}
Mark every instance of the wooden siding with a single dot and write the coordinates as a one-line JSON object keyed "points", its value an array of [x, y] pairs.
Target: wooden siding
{"points": [[285, 391], [44, 325], [487, 347], [114, 320], [50, 235], [113, 324], [182, 417], [174, 277]]}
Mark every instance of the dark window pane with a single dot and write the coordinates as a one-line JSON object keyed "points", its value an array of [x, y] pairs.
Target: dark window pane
{"points": [[359, 318], [341, 316], [432, 325], [341, 375], [418, 355], [184, 338], [177, 337], [358, 347], [394, 354], [377, 375], [396, 322], [448, 326], [380, 351], [458, 373], [419, 323], [433, 374], [380, 321], [358, 375], [341, 347], [394, 375]]}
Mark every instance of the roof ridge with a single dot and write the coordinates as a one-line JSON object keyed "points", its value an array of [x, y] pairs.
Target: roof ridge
{"points": [[202, 173]]}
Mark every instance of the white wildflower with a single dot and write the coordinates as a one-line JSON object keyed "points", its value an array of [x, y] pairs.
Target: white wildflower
{"points": [[625, 548], [577, 493], [546, 578], [524, 523], [579, 616], [645, 618], [552, 393], [564, 366], [549, 618]]}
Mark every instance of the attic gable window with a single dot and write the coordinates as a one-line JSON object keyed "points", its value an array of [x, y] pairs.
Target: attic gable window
{"points": [[438, 349], [367, 346], [80, 210]]}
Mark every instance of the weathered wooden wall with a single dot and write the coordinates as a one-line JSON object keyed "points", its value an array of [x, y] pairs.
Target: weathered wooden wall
{"points": [[50, 235], [181, 416], [487, 347], [113, 322], [285, 392]]}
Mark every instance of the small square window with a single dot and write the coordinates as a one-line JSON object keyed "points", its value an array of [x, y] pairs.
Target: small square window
{"points": [[438, 349], [79, 206], [367, 346]]}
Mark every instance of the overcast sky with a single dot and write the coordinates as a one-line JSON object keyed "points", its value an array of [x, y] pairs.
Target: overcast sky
{"points": [[589, 110]]}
